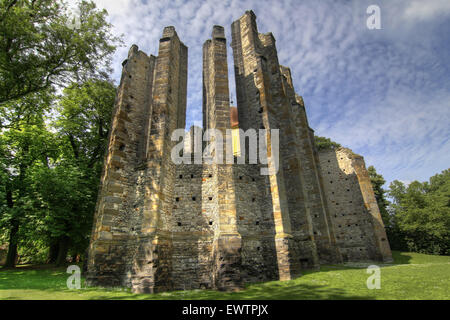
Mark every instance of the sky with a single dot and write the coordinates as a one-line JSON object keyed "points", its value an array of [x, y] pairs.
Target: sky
{"points": [[384, 93]]}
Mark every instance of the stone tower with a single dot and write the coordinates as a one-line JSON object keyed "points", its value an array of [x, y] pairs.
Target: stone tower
{"points": [[131, 242], [216, 103], [210, 224], [266, 99]]}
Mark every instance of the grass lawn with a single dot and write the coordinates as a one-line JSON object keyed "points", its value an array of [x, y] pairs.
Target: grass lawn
{"points": [[412, 276]]}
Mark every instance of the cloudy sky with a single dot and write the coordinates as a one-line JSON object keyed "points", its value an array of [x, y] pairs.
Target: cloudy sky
{"points": [[383, 93]]}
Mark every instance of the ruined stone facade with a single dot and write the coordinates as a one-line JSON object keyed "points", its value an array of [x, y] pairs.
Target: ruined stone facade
{"points": [[164, 226], [354, 212]]}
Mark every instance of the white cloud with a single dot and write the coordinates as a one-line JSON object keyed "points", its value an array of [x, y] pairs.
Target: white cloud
{"points": [[425, 10], [384, 93]]}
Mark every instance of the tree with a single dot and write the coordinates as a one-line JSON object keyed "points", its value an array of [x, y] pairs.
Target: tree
{"points": [[51, 171], [23, 146], [323, 143], [66, 205], [40, 49], [421, 213], [83, 126], [85, 118]]}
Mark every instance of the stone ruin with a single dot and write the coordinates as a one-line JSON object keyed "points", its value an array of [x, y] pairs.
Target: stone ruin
{"points": [[163, 226]]}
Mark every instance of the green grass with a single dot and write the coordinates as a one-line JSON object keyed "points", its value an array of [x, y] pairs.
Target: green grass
{"points": [[412, 276]]}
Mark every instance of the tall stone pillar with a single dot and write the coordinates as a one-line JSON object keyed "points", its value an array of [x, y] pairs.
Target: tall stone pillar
{"points": [[262, 105], [109, 255], [216, 107], [152, 264], [131, 243], [324, 237], [383, 249]]}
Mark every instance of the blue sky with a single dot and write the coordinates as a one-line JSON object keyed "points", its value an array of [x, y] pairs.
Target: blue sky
{"points": [[383, 93]]}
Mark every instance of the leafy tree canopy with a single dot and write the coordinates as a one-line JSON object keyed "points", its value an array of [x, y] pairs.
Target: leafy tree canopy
{"points": [[41, 47], [323, 143], [422, 213]]}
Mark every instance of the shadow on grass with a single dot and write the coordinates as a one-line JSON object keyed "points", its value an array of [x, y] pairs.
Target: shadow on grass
{"points": [[265, 291], [44, 277], [53, 280], [401, 257], [50, 281]]}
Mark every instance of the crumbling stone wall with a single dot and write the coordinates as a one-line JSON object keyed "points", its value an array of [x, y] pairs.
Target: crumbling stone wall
{"points": [[323, 233], [131, 242], [266, 99], [355, 216], [163, 226]]}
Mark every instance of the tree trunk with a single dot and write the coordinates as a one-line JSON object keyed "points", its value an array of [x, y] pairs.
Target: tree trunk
{"points": [[15, 221], [12, 248], [53, 252], [62, 252], [13, 235]]}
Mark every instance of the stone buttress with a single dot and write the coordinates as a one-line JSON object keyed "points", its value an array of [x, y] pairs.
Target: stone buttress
{"points": [[216, 104], [263, 104], [131, 242], [323, 232], [354, 212]]}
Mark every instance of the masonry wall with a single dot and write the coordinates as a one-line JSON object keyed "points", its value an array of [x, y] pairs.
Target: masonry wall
{"points": [[228, 241], [266, 100], [131, 243], [255, 224], [323, 233], [224, 232], [354, 213], [162, 226], [194, 225], [112, 238]]}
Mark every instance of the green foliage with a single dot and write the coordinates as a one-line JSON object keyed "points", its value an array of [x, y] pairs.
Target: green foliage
{"points": [[40, 49], [85, 117], [421, 214], [51, 167], [323, 143], [24, 146], [396, 240], [66, 203], [67, 190], [32, 251], [51, 148]]}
